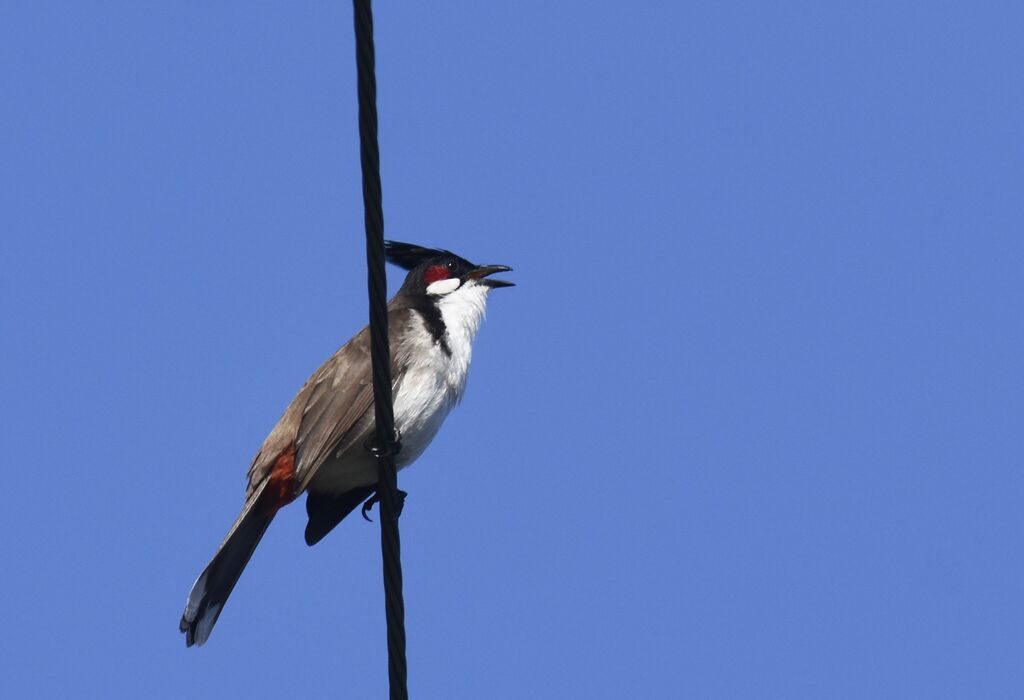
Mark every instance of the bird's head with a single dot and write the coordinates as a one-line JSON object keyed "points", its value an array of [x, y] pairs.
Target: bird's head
{"points": [[440, 273]]}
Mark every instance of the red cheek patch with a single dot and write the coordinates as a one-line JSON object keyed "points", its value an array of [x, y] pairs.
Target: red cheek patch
{"points": [[434, 273]]}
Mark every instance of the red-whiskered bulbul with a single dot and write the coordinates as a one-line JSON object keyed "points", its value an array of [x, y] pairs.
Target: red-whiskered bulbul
{"points": [[320, 444]]}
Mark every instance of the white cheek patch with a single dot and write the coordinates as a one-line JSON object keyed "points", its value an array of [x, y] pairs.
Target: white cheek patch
{"points": [[444, 286]]}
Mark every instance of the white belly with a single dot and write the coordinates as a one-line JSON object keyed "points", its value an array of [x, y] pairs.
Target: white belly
{"points": [[428, 390], [423, 399]]}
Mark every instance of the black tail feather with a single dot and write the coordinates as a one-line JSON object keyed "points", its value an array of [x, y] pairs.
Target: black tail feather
{"points": [[214, 585]]}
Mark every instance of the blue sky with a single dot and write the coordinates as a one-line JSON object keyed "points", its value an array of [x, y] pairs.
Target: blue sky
{"points": [[749, 426]]}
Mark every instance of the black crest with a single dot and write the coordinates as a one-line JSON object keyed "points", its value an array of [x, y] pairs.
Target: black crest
{"points": [[407, 255]]}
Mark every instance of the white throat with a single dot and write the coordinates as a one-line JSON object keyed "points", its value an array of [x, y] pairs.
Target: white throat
{"points": [[462, 312]]}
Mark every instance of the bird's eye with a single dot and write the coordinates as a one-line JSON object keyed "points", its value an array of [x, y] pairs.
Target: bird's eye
{"points": [[452, 265]]}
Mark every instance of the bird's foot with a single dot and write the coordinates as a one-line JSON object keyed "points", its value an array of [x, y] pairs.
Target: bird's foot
{"points": [[399, 505], [392, 449]]}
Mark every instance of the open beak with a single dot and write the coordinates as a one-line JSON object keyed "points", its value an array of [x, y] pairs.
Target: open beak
{"points": [[484, 271]]}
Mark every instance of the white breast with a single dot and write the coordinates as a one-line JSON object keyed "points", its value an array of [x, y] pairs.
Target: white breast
{"points": [[435, 380]]}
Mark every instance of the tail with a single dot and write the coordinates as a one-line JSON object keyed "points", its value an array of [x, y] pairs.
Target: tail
{"points": [[214, 585]]}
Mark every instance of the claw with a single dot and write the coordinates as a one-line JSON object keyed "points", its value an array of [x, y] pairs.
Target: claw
{"points": [[368, 505], [399, 505]]}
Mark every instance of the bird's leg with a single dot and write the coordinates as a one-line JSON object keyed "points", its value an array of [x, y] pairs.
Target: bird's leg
{"points": [[375, 498], [391, 450]]}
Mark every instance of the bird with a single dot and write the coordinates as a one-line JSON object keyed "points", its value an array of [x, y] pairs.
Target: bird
{"points": [[321, 444]]}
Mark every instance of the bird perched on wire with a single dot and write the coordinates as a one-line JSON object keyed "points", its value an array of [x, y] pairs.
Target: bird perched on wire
{"points": [[319, 447]]}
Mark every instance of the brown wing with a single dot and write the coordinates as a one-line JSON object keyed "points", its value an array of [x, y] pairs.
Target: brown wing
{"points": [[340, 397], [328, 406]]}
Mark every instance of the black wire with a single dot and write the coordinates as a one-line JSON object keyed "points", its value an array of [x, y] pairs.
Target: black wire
{"points": [[387, 445]]}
